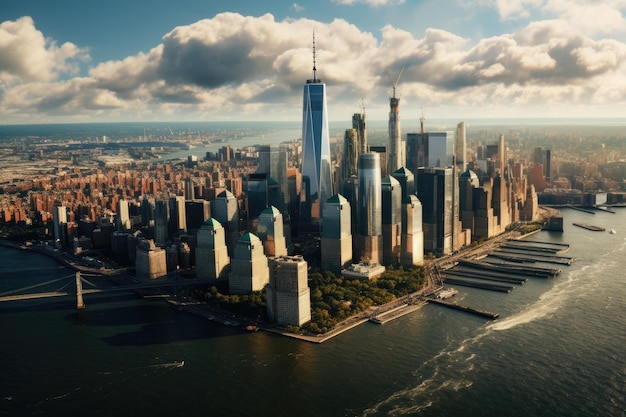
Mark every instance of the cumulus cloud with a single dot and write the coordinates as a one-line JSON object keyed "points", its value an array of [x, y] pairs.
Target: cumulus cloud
{"points": [[25, 54], [590, 17], [234, 66]]}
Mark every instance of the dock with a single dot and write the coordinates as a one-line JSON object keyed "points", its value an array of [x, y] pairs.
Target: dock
{"points": [[483, 313], [590, 227]]}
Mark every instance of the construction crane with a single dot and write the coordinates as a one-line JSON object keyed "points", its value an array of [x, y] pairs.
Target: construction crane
{"points": [[394, 84]]}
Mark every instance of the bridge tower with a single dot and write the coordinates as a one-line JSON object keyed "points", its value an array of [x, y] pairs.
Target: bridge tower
{"points": [[80, 304]]}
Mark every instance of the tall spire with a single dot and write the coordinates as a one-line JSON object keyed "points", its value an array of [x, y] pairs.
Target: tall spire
{"points": [[315, 80]]}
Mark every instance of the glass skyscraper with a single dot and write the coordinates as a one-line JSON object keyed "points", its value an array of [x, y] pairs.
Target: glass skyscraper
{"points": [[316, 162]]}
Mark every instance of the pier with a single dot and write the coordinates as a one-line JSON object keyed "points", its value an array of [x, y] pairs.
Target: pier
{"points": [[590, 227], [483, 313]]}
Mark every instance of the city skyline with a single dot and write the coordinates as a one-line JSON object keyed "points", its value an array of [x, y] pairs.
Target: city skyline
{"points": [[247, 61]]}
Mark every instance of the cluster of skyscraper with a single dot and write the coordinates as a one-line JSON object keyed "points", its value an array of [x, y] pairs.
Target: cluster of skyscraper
{"points": [[390, 206]]}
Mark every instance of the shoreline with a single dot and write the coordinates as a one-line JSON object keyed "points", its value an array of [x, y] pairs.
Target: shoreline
{"points": [[376, 314]]}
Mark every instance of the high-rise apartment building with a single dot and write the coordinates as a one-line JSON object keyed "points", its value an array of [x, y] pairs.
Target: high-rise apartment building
{"points": [[288, 293], [369, 225], [316, 160]]}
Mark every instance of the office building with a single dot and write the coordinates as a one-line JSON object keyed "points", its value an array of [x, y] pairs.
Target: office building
{"points": [[429, 149], [393, 149], [178, 216], [406, 180], [391, 220], [435, 191], [225, 210], [257, 195], [196, 213], [412, 241], [59, 218], [316, 161], [369, 210], [460, 147], [212, 260], [350, 156], [336, 243], [150, 262], [288, 293], [122, 216], [161, 222], [249, 269], [358, 123], [273, 163], [270, 231]]}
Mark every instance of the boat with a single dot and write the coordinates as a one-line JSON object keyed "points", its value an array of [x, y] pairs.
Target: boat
{"points": [[447, 293], [612, 231]]}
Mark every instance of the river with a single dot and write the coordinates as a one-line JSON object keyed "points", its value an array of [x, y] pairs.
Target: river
{"points": [[556, 350]]}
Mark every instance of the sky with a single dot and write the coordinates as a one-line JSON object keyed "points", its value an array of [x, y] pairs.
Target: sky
{"points": [[68, 61]]}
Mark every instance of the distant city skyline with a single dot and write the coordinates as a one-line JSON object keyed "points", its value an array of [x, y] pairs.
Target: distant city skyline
{"points": [[245, 60]]}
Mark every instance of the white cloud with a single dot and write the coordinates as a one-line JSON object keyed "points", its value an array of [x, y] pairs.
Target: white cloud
{"points": [[590, 17], [26, 55], [297, 8], [233, 66]]}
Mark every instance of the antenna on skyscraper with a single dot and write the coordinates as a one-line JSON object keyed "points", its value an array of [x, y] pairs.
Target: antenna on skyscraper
{"points": [[422, 122], [362, 106], [394, 84], [314, 68]]}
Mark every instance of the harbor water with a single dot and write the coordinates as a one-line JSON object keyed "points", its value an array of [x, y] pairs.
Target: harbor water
{"points": [[557, 349]]}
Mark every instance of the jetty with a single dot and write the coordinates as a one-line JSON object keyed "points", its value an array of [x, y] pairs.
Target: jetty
{"points": [[590, 227], [467, 309]]}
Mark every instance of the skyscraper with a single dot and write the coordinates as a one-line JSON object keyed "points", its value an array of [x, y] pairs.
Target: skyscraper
{"points": [[392, 219], [336, 244], [406, 180], [412, 251], [350, 156], [316, 161], [249, 270], [225, 210], [270, 231], [358, 123], [273, 162], [435, 190], [460, 151], [370, 208], [429, 149], [393, 150], [161, 221], [212, 257], [288, 293]]}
